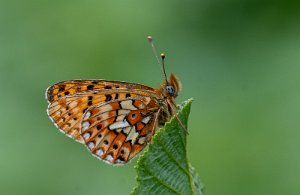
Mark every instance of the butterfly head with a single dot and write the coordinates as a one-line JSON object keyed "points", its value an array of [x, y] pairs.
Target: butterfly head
{"points": [[169, 90], [172, 87]]}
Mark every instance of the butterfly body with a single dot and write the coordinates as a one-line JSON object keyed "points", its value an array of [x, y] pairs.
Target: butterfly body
{"points": [[115, 120]]}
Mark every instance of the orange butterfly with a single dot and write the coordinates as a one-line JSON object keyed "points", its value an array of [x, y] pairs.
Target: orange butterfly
{"points": [[115, 120]]}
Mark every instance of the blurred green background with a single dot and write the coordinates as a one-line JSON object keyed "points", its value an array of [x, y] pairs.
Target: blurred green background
{"points": [[239, 60]]}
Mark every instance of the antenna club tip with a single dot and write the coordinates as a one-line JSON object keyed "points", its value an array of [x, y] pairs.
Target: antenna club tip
{"points": [[162, 55], [150, 39]]}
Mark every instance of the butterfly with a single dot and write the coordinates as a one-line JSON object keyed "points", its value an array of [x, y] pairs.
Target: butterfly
{"points": [[114, 119]]}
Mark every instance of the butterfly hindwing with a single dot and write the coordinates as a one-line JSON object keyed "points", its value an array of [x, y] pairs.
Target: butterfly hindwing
{"points": [[116, 131]]}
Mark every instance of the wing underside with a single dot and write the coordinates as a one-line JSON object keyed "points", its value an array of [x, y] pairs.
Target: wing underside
{"points": [[115, 120]]}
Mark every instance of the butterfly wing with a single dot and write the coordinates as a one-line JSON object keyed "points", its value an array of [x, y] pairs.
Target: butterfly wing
{"points": [[69, 100], [118, 130]]}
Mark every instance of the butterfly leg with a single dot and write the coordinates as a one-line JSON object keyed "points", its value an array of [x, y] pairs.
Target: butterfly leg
{"points": [[175, 114], [155, 122]]}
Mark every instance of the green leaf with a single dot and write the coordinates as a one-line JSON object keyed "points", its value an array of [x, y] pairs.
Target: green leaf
{"points": [[198, 187], [163, 168]]}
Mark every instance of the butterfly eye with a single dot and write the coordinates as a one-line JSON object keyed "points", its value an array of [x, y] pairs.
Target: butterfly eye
{"points": [[170, 90]]}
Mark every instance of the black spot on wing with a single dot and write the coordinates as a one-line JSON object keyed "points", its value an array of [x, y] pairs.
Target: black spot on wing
{"points": [[108, 97], [90, 87], [61, 88]]}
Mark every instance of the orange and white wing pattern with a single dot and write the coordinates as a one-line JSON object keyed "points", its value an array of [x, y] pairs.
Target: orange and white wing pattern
{"points": [[69, 100], [114, 119], [118, 130]]}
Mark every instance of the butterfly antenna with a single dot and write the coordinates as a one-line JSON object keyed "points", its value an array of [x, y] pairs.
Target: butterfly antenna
{"points": [[150, 39], [162, 55]]}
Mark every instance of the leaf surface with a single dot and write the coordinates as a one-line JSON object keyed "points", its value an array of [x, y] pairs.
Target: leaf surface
{"points": [[163, 168]]}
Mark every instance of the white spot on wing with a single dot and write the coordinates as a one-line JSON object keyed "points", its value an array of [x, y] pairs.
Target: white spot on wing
{"points": [[132, 135], [85, 125], [127, 104], [120, 161], [146, 119], [141, 140], [123, 112], [120, 117], [109, 157], [99, 152], [87, 115], [91, 145], [126, 130], [86, 135], [119, 124]]}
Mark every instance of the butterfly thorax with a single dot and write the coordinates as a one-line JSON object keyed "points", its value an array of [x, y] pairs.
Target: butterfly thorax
{"points": [[169, 90]]}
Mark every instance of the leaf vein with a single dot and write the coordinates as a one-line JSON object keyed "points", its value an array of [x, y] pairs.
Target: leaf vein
{"points": [[159, 180], [172, 157]]}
